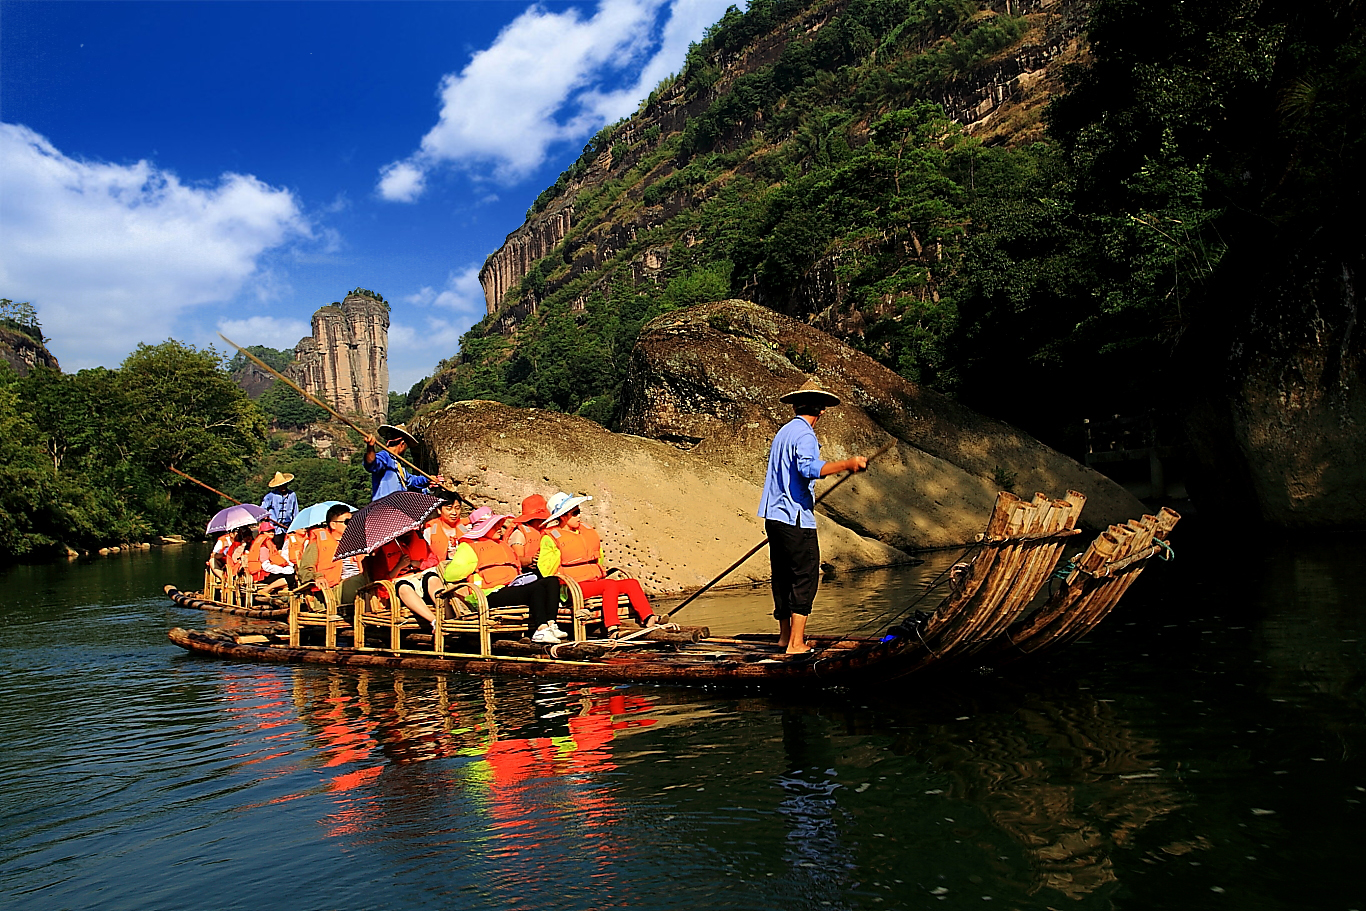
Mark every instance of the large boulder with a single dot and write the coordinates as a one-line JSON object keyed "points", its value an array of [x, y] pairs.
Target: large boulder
{"points": [[672, 519], [707, 379]]}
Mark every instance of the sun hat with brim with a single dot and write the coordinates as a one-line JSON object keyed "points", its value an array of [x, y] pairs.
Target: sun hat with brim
{"points": [[281, 479], [389, 432], [534, 509], [482, 521], [562, 503], [812, 391]]}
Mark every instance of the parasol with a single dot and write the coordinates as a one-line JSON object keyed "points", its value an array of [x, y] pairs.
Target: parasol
{"points": [[385, 520], [316, 514], [235, 517]]}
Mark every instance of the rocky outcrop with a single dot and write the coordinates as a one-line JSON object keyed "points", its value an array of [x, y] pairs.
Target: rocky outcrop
{"points": [[707, 379], [1278, 424], [346, 360], [672, 519], [22, 353]]}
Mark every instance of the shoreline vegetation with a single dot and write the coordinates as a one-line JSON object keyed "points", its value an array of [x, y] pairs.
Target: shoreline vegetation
{"points": [[85, 457]]}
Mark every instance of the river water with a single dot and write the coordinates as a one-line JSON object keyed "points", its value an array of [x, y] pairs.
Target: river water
{"points": [[1203, 749]]}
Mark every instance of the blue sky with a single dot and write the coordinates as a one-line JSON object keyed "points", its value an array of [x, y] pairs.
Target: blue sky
{"points": [[171, 170]]}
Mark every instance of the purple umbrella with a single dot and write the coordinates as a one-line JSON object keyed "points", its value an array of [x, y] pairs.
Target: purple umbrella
{"points": [[235, 517], [384, 520]]}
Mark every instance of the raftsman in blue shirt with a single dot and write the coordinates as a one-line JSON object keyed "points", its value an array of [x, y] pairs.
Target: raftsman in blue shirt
{"points": [[794, 464], [386, 476], [282, 508]]}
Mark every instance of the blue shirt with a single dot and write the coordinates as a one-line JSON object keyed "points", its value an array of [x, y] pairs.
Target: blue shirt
{"points": [[387, 477], [794, 464], [282, 507]]}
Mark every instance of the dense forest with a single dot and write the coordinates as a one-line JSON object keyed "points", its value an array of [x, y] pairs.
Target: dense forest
{"points": [[85, 457], [1196, 152]]}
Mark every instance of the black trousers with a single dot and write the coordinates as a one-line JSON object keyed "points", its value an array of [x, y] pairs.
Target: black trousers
{"points": [[541, 597], [794, 555]]}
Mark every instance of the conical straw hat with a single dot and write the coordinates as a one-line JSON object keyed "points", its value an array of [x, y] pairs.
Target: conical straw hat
{"points": [[811, 389]]}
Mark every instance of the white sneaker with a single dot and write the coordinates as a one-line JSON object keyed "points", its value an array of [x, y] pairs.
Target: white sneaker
{"points": [[555, 628], [545, 635]]}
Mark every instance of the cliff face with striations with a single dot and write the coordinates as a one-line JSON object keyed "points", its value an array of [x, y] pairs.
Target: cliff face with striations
{"points": [[23, 353], [346, 360]]}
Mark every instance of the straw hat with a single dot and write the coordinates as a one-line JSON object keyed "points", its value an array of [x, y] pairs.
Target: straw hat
{"points": [[811, 390], [562, 503], [482, 520], [281, 479], [390, 432]]}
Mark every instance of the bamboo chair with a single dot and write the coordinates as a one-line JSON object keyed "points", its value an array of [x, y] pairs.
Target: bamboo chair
{"points": [[584, 611], [378, 604], [313, 604], [463, 608], [213, 584]]}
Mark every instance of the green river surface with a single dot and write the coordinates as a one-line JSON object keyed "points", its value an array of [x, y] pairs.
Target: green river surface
{"points": [[1202, 749]]}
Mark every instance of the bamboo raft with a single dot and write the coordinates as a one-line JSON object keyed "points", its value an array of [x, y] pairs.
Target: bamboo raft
{"points": [[255, 612], [995, 613]]}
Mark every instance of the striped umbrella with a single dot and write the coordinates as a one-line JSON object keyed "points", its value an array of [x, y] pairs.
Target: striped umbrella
{"points": [[385, 520], [235, 517]]}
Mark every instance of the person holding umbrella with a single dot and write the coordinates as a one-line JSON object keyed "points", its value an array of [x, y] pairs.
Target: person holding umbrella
{"points": [[387, 532], [231, 525]]}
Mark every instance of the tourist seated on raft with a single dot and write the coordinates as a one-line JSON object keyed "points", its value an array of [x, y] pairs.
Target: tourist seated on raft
{"points": [[484, 559], [443, 530], [410, 564], [581, 559], [320, 564], [265, 564], [525, 536]]}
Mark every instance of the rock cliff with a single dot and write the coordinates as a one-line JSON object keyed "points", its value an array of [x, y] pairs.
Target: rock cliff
{"points": [[22, 353], [346, 360], [708, 379], [672, 519]]}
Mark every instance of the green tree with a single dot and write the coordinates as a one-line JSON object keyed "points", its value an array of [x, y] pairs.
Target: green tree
{"points": [[287, 408]]}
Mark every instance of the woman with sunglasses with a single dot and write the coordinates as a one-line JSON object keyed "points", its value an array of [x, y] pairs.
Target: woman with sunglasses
{"points": [[581, 559]]}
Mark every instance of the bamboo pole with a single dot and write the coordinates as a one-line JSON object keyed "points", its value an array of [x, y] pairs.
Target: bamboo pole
{"points": [[203, 485], [369, 438], [762, 544]]}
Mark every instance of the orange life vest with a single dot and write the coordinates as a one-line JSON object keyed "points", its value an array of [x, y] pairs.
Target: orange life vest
{"points": [[532, 548], [580, 553], [441, 538], [254, 556], [295, 542], [497, 563], [329, 567]]}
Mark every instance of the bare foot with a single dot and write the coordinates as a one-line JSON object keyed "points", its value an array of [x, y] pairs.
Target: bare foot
{"points": [[798, 649]]}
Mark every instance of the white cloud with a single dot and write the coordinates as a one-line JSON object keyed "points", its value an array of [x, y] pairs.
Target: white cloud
{"points": [[414, 350], [402, 182], [462, 293], [271, 331], [544, 81], [111, 254]]}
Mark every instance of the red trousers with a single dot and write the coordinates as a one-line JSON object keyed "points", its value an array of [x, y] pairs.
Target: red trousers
{"points": [[611, 589]]}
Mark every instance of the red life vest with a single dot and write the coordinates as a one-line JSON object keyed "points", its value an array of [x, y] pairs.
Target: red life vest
{"points": [[497, 563], [580, 553]]}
